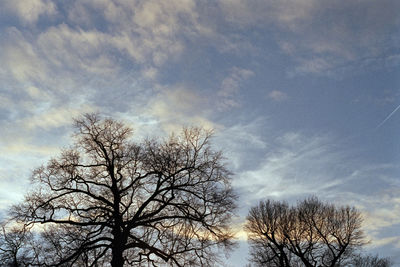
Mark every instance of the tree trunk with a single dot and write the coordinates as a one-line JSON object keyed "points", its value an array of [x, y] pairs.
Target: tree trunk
{"points": [[117, 258], [118, 242], [118, 245], [15, 262]]}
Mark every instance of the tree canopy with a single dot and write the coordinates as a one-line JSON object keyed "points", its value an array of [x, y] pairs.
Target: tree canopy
{"points": [[311, 234], [164, 201]]}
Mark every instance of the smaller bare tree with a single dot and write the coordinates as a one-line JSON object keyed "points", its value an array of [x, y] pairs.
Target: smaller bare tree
{"points": [[310, 234], [370, 261], [15, 249]]}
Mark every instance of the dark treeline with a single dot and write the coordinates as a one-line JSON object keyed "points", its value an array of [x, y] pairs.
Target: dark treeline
{"points": [[109, 201]]}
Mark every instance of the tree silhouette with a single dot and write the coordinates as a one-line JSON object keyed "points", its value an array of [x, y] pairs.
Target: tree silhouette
{"points": [[15, 249], [166, 201], [311, 234], [360, 260]]}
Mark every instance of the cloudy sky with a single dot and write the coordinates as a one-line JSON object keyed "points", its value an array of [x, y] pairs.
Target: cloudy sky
{"points": [[302, 94]]}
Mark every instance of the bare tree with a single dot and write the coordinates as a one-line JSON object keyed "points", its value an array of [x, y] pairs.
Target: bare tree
{"points": [[370, 261], [151, 202], [58, 241], [312, 233], [15, 249], [265, 227]]}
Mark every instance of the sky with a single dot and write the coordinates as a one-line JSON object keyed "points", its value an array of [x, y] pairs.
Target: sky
{"points": [[303, 94]]}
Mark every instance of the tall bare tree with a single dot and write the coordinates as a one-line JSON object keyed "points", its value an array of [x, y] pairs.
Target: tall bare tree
{"points": [[166, 201], [310, 234]]}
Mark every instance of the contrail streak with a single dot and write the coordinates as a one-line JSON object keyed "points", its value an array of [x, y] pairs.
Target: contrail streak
{"points": [[388, 117]]}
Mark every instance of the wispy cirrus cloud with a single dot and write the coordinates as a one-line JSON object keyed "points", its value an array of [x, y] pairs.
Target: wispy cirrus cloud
{"points": [[293, 165], [230, 87], [324, 37], [242, 142]]}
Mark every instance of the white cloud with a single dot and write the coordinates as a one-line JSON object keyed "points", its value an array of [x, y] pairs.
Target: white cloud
{"points": [[393, 241], [230, 87], [30, 11], [19, 157], [150, 73], [55, 117], [298, 165], [277, 95], [35, 92], [65, 48], [20, 58], [141, 35], [287, 13], [23, 147], [149, 32], [179, 106], [242, 143], [314, 65], [381, 210]]}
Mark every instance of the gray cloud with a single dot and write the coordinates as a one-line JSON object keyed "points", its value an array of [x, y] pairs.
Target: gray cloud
{"points": [[28, 12], [323, 36]]}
